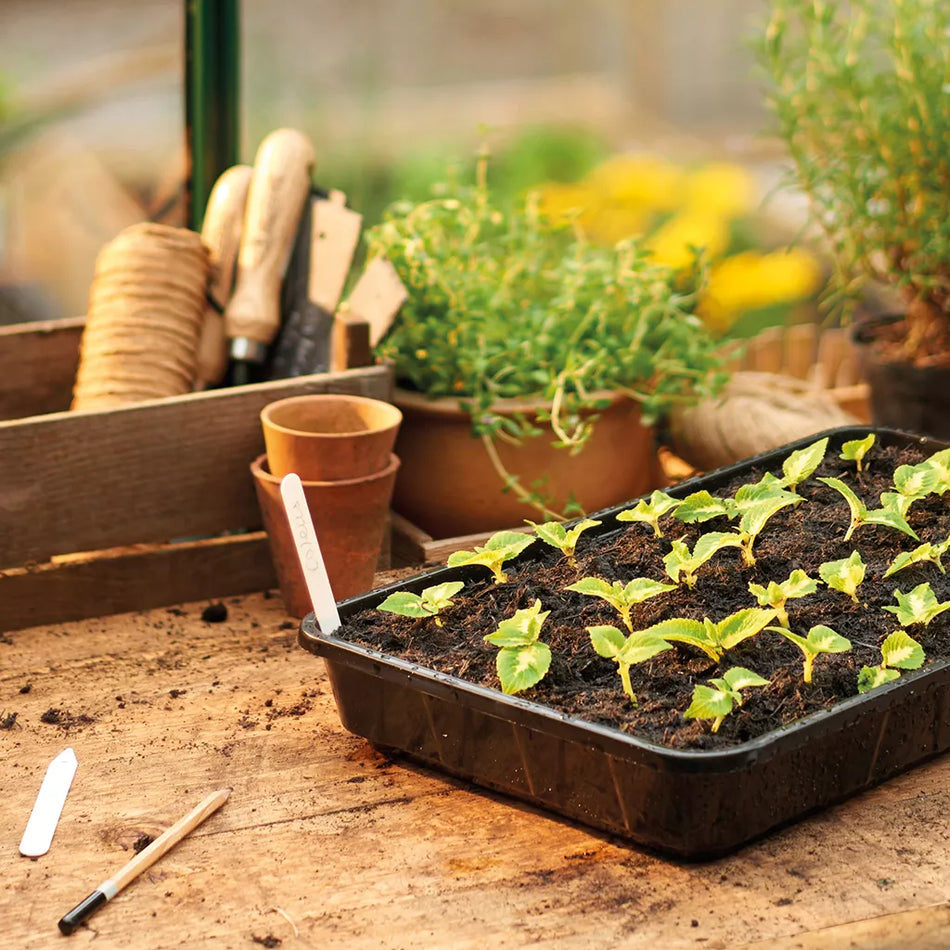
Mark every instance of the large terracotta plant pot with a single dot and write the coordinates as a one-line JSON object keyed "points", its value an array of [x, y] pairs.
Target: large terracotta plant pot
{"points": [[449, 487], [903, 395]]}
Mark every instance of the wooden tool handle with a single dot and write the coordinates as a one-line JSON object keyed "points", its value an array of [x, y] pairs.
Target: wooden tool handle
{"points": [[221, 233], [279, 187]]}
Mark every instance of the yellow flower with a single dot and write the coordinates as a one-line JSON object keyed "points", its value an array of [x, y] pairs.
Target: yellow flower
{"points": [[561, 202], [672, 242], [638, 181], [753, 280], [721, 188]]}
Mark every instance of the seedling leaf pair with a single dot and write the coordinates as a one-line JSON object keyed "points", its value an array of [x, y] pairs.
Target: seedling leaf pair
{"points": [[899, 652], [621, 596], [820, 639], [723, 694], [918, 606], [775, 595], [891, 513], [523, 660], [856, 450], [845, 575], [565, 539], [625, 651], [499, 548], [650, 511], [711, 637], [429, 603], [920, 555], [682, 563]]}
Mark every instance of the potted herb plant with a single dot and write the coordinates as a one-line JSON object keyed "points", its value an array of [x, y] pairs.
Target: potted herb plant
{"points": [[860, 94], [690, 670], [529, 362]]}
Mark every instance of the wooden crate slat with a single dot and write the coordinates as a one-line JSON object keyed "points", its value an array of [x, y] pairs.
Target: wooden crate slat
{"points": [[153, 472], [120, 581], [38, 363]]}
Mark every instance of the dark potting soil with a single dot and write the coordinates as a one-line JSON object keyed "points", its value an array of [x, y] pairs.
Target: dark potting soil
{"points": [[582, 683]]}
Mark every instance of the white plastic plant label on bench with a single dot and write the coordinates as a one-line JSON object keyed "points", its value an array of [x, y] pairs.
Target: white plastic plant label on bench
{"points": [[308, 550], [38, 835]]}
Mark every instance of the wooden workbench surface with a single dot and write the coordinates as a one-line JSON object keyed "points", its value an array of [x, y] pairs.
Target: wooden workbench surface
{"points": [[326, 843]]}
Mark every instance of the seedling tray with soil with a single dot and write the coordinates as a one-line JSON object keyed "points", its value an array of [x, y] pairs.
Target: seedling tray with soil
{"points": [[669, 754]]}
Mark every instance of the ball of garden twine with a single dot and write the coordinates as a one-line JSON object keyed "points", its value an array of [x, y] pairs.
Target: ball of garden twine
{"points": [[755, 412], [146, 306]]}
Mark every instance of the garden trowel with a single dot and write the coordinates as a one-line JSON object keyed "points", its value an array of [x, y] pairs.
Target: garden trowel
{"points": [[326, 243]]}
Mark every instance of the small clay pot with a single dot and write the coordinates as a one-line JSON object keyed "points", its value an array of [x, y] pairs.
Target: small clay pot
{"points": [[350, 516], [325, 437]]}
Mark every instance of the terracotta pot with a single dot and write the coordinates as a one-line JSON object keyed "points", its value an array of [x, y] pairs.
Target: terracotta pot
{"points": [[350, 517], [448, 487], [325, 437], [903, 396]]}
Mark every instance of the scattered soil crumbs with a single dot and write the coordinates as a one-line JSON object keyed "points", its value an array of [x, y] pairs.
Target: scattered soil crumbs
{"points": [[8, 720], [59, 717], [584, 684], [268, 941], [142, 842], [215, 613]]}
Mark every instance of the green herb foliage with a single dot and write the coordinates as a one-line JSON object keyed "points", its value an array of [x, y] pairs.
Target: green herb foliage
{"points": [[523, 659], [429, 603], [722, 696], [499, 548], [625, 651], [820, 639]]}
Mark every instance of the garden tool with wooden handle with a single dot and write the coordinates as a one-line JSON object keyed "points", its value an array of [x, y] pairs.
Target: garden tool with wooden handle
{"points": [[221, 233], [280, 184]]}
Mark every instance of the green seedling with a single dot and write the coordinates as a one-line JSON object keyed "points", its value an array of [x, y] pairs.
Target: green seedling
{"points": [[498, 549], [722, 696], [927, 552], [891, 513], [565, 539], [649, 511], [702, 506], [916, 481], [625, 651], [775, 595], [802, 463], [523, 659], [681, 563], [714, 638], [899, 652], [621, 596], [820, 639], [755, 516], [856, 450], [845, 575], [430, 603], [918, 606], [939, 462]]}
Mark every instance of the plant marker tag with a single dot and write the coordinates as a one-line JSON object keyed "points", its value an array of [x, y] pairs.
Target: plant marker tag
{"points": [[308, 550], [48, 806]]}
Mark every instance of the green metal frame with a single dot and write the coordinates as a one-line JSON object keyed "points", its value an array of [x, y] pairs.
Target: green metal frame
{"points": [[212, 82]]}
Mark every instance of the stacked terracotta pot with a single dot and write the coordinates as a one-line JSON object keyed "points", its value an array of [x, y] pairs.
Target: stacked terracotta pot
{"points": [[341, 447], [146, 307]]}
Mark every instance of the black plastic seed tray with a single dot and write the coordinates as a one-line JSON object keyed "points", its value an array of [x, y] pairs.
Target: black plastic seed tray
{"points": [[689, 804]]}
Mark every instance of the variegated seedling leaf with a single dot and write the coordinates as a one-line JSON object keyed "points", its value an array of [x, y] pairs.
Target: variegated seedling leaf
{"points": [[625, 651], [940, 463], [845, 575], [711, 637], [680, 562], [776, 595], [523, 660], [619, 595], [702, 506], [565, 539], [856, 450], [499, 548], [917, 606], [820, 639], [899, 651], [722, 696], [889, 514], [926, 552], [916, 481], [429, 603], [803, 462], [756, 515], [649, 511]]}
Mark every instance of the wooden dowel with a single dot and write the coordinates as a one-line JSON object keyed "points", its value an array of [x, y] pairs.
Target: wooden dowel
{"points": [[142, 861]]}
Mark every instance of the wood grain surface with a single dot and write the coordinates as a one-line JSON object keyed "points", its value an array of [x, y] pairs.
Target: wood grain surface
{"points": [[328, 843]]}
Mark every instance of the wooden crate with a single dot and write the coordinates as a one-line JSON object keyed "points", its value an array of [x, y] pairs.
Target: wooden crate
{"points": [[148, 505]]}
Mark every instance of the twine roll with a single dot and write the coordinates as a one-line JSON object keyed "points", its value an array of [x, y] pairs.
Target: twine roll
{"points": [[146, 306]]}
